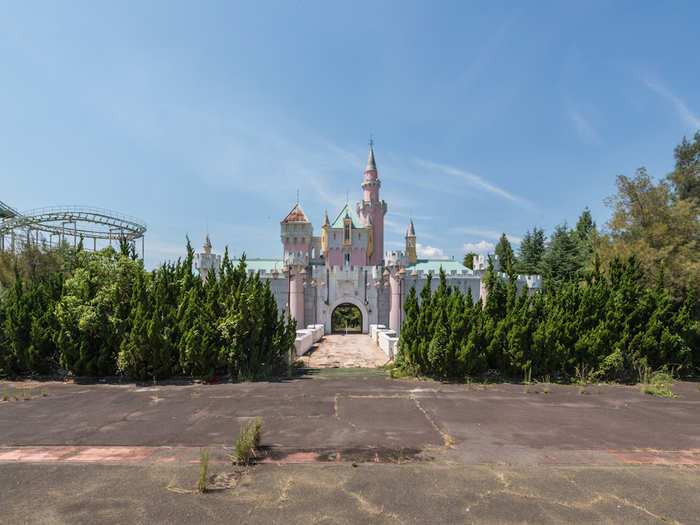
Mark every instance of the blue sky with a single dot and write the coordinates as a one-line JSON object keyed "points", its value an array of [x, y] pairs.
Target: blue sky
{"points": [[488, 117]]}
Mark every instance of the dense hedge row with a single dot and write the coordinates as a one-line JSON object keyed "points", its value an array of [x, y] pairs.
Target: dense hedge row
{"points": [[106, 315], [601, 327]]}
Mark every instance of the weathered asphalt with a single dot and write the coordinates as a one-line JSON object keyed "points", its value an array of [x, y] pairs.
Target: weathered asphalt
{"points": [[425, 452], [499, 423]]}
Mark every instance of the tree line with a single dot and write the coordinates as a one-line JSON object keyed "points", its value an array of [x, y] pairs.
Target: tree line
{"points": [[103, 314], [613, 301]]}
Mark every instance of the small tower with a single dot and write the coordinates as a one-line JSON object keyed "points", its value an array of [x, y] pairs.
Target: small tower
{"points": [[372, 210], [411, 243], [296, 235], [324, 236], [207, 261]]}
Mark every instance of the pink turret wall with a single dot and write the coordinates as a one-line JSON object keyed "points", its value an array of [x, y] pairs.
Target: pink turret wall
{"points": [[395, 301], [296, 297]]}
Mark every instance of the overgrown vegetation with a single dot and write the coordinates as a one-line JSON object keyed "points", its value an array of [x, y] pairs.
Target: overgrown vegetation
{"points": [[248, 440], [101, 314], [598, 328], [612, 302], [203, 470]]}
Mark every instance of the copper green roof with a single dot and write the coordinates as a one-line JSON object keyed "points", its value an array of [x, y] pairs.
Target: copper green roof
{"points": [[261, 265], [433, 266], [347, 210]]}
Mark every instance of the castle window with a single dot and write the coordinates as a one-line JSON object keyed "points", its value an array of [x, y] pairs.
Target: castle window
{"points": [[347, 259], [347, 232]]}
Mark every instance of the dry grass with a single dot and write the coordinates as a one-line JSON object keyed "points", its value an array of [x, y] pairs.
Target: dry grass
{"points": [[248, 440], [203, 470]]}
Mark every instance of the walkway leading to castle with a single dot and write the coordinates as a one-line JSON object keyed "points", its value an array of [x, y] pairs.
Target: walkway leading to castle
{"points": [[345, 351]]}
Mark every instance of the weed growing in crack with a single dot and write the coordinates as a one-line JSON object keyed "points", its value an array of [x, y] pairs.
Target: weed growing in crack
{"points": [[203, 470], [247, 441], [546, 389], [5, 395], [26, 396], [44, 392], [14, 397]]}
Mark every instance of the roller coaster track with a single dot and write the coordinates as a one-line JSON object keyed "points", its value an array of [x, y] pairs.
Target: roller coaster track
{"points": [[75, 221]]}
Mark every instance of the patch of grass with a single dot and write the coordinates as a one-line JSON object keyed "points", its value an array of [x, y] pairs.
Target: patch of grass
{"points": [[546, 388], [657, 383], [5, 395], [44, 392], [354, 465], [599, 390], [698, 388], [248, 440], [26, 395], [203, 470], [660, 390], [14, 397], [582, 389], [527, 389]]}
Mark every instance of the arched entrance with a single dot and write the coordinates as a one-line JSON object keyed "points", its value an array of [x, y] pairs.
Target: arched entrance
{"points": [[346, 318]]}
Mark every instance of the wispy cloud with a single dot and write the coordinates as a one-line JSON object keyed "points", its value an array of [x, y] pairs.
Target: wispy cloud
{"points": [[481, 247], [682, 108], [583, 126], [427, 252], [475, 181]]}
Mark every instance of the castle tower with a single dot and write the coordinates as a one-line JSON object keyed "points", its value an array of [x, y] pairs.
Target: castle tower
{"points": [[411, 243], [207, 261], [324, 236], [371, 210], [296, 233]]}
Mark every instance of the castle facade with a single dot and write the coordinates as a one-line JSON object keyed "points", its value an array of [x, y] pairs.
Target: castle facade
{"points": [[347, 265]]}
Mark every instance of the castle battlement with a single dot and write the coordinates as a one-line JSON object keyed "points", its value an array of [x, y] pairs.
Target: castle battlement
{"points": [[395, 258], [296, 259], [481, 262], [532, 282]]}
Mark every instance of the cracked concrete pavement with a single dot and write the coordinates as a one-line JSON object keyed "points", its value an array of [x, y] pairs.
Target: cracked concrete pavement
{"points": [[425, 452]]}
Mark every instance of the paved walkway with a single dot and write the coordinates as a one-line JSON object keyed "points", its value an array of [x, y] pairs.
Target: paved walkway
{"points": [[364, 449], [345, 351]]}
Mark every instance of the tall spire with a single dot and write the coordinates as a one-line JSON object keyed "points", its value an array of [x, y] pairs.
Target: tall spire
{"points": [[411, 230], [326, 222], [370, 158]]}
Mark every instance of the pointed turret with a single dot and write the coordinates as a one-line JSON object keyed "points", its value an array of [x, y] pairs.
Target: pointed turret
{"points": [[326, 222], [371, 166], [371, 209], [207, 245], [411, 243]]}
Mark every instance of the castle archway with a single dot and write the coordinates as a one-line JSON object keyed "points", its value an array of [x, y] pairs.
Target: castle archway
{"points": [[346, 318], [351, 311]]}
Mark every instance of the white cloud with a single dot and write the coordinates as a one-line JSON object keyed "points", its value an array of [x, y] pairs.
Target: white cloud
{"points": [[428, 252], [584, 128], [481, 247], [684, 111], [474, 181]]}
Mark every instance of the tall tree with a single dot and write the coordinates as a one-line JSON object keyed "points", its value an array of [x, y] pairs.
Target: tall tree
{"points": [[563, 259], [685, 178], [650, 223], [469, 260], [506, 256], [531, 252]]}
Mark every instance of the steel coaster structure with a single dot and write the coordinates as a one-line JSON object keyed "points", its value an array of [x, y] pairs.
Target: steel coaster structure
{"points": [[42, 225]]}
